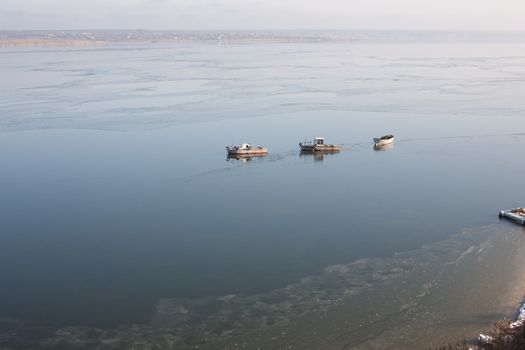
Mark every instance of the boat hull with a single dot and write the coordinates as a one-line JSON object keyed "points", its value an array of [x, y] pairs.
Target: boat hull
{"points": [[320, 148], [509, 214], [383, 142], [248, 152]]}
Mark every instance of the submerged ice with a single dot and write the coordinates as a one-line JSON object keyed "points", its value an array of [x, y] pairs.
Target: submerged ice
{"points": [[348, 299]]}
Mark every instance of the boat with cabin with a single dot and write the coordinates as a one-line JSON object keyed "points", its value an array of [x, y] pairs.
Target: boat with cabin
{"points": [[384, 140], [245, 149], [318, 145], [515, 214]]}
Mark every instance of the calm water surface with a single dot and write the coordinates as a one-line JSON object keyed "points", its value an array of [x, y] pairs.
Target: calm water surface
{"points": [[118, 205]]}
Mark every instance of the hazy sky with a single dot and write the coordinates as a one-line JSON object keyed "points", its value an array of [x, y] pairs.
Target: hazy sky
{"points": [[263, 14]]}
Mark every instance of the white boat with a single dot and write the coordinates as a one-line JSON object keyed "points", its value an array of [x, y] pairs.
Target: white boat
{"points": [[384, 140], [246, 149], [515, 214]]}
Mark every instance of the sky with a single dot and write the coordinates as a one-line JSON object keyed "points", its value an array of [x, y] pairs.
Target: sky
{"points": [[263, 14]]}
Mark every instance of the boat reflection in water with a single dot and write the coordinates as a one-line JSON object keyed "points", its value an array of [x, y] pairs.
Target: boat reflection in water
{"points": [[386, 147], [243, 158], [317, 156]]}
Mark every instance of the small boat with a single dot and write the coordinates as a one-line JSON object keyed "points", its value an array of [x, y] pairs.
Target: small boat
{"points": [[515, 214], [246, 149], [318, 145], [384, 140]]}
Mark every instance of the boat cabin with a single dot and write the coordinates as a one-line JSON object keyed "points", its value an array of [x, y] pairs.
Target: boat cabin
{"points": [[319, 141]]}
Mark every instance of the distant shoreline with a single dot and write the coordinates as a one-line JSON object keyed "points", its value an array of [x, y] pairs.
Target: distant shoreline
{"points": [[26, 42], [67, 42], [50, 38]]}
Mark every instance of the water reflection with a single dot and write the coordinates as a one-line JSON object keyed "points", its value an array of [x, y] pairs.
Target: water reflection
{"points": [[244, 158], [317, 156], [383, 147]]}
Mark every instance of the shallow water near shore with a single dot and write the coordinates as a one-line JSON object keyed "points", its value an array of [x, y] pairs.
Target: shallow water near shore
{"points": [[426, 297], [119, 207]]}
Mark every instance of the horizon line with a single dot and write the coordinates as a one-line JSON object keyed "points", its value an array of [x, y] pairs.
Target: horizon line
{"points": [[277, 30]]}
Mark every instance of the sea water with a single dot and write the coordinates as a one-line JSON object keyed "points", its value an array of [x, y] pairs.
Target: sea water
{"points": [[118, 206]]}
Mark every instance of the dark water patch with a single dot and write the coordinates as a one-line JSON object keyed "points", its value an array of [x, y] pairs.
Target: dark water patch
{"points": [[397, 301]]}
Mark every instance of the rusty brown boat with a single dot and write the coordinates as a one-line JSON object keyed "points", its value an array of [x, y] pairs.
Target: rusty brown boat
{"points": [[318, 145]]}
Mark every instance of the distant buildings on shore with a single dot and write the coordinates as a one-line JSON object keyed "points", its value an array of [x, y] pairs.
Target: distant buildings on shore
{"points": [[101, 37], [73, 37]]}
